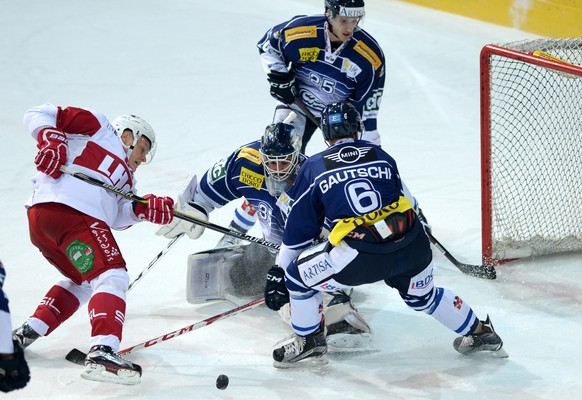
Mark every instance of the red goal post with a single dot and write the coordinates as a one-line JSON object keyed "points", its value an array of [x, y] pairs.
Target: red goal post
{"points": [[531, 148]]}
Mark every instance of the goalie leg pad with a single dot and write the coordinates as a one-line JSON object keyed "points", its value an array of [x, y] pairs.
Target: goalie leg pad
{"points": [[233, 273]]}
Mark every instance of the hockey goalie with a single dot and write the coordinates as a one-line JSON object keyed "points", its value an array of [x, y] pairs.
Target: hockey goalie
{"points": [[260, 172]]}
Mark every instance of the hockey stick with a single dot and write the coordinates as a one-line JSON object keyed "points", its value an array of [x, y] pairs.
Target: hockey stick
{"points": [[479, 271], [78, 357], [177, 213], [307, 113], [155, 260]]}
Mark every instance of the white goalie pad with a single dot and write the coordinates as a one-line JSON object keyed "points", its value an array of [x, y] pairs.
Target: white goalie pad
{"points": [[346, 329], [234, 273]]}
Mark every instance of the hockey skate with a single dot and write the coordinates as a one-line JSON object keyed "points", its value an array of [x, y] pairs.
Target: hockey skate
{"points": [[104, 365], [24, 335], [301, 351], [486, 342]]}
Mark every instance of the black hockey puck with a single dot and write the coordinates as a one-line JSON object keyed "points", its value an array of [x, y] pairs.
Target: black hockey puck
{"points": [[222, 382]]}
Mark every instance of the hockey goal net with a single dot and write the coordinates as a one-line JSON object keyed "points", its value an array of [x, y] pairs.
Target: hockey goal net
{"points": [[531, 148]]}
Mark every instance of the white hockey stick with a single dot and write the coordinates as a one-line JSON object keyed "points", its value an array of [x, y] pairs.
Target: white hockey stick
{"points": [[78, 357], [155, 260]]}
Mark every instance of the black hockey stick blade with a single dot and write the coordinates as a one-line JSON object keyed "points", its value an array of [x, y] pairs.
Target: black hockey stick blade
{"points": [[479, 271], [76, 356]]}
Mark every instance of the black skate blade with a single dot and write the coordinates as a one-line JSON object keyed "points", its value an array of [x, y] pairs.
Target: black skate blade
{"points": [[76, 356]]}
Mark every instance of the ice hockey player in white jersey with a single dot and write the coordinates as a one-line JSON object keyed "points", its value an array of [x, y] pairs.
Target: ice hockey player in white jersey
{"points": [[354, 189], [322, 59], [261, 171], [70, 222]]}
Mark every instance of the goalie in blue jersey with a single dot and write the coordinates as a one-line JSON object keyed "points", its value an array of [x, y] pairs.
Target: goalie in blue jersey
{"points": [[261, 172], [354, 189]]}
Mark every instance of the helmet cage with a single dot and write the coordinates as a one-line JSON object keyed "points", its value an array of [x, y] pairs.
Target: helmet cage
{"points": [[138, 127], [280, 148]]}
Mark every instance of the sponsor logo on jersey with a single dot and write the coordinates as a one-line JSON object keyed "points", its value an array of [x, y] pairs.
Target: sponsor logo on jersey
{"points": [[350, 154], [309, 54], [285, 203], [251, 178], [329, 287], [458, 303], [250, 154], [422, 283], [312, 271], [368, 54], [218, 170], [300, 32], [346, 226], [81, 256], [350, 69]]}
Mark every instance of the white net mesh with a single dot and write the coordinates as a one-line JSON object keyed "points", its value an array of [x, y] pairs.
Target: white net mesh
{"points": [[536, 152]]}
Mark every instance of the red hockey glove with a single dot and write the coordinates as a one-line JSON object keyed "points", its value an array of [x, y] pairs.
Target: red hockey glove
{"points": [[159, 210], [52, 152]]}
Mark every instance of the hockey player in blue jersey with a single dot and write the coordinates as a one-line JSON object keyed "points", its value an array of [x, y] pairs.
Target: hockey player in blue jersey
{"points": [[14, 371], [354, 189], [261, 171], [322, 59], [318, 60]]}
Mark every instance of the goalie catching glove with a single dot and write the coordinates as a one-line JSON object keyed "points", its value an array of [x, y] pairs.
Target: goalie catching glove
{"points": [[276, 293], [184, 204]]}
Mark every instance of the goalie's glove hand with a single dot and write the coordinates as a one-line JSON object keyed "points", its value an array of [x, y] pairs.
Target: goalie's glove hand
{"points": [[186, 205], [52, 152], [14, 372], [158, 210], [179, 226], [276, 293], [283, 86]]}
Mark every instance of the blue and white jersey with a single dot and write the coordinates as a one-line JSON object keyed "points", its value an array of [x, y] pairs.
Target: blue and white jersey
{"points": [[352, 72], [349, 179], [242, 175]]}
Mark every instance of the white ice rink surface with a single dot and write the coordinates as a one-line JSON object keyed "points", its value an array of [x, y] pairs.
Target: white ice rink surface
{"points": [[192, 70]]}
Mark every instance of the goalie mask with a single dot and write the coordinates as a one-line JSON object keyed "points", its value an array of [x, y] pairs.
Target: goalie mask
{"points": [[341, 120], [280, 146], [139, 127]]}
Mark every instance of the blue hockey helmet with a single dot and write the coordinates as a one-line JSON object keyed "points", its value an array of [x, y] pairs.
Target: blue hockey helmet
{"points": [[344, 8], [341, 120]]}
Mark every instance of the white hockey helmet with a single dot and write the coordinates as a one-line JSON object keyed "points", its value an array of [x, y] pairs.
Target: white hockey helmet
{"points": [[139, 127]]}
